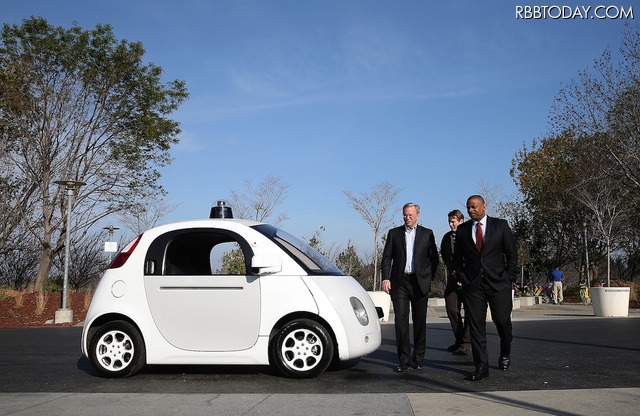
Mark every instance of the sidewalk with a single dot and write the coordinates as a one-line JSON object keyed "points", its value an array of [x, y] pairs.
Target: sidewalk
{"points": [[595, 402], [543, 311]]}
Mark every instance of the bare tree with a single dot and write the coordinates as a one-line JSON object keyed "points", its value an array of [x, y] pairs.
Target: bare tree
{"points": [[260, 203], [256, 204], [19, 264], [375, 207], [494, 199], [603, 103], [612, 209], [315, 241], [87, 261], [17, 201], [147, 215]]}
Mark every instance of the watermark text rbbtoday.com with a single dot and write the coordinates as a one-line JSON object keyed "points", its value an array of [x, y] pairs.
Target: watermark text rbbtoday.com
{"points": [[577, 12]]}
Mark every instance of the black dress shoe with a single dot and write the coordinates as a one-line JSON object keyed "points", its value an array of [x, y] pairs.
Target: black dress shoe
{"points": [[453, 348], [462, 351], [402, 368], [504, 361], [418, 366], [478, 375]]}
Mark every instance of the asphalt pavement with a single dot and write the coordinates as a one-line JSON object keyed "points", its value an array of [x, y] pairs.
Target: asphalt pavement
{"points": [[565, 362]]}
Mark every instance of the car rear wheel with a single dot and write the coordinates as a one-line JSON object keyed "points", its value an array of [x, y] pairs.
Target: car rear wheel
{"points": [[302, 349], [117, 350]]}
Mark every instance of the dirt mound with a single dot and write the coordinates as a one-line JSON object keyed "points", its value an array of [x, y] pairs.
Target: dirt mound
{"points": [[22, 310]]}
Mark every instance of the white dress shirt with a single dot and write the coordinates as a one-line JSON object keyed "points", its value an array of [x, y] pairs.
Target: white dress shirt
{"points": [[410, 238]]}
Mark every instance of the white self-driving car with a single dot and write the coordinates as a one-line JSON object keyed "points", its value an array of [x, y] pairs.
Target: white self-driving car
{"points": [[226, 291]]}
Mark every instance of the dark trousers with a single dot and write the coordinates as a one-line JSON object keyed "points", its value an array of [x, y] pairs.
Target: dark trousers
{"points": [[453, 304], [501, 304], [408, 295]]}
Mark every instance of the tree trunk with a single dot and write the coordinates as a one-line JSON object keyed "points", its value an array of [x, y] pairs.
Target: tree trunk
{"points": [[44, 269], [375, 261], [608, 264]]}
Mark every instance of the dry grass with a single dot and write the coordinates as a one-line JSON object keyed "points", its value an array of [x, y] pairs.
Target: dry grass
{"points": [[87, 299], [8, 293], [19, 299], [41, 302]]}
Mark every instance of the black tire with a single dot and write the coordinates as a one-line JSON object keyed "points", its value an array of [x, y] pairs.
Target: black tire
{"points": [[117, 350], [302, 349]]}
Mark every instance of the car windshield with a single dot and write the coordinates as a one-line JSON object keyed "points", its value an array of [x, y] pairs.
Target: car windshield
{"points": [[302, 252]]}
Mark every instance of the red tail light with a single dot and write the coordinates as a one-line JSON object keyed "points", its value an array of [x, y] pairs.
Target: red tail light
{"points": [[124, 254]]}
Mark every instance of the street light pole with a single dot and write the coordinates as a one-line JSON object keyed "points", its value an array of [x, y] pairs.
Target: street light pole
{"points": [[64, 314], [111, 229]]}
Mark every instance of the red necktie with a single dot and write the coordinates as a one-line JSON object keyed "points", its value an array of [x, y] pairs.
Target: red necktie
{"points": [[479, 242]]}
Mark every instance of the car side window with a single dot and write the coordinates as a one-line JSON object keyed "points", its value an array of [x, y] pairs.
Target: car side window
{"points": [[198, 252], [228, 258]]}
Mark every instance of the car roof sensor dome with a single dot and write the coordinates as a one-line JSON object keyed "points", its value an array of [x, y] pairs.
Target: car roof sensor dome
{"points": [[221, 209]]}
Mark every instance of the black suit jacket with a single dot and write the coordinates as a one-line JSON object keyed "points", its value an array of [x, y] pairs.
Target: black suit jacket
{"points": [[446, 251], [498, 260], [425, 257]]}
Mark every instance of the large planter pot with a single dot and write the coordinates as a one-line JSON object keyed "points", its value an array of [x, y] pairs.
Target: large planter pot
{"points": [[610, 301], [383, 300]]}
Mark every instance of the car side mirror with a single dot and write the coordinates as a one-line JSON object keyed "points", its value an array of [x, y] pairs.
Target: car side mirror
{"points": [[265, 264]]}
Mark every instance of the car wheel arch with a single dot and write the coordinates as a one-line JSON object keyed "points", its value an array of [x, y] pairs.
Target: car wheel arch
{"points": [[110, 317], [305, 315]]}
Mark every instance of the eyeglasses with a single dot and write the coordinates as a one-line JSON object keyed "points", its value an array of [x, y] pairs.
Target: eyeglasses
{"points": [[408, 216]]}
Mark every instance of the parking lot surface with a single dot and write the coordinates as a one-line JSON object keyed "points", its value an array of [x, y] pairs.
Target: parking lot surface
{"points": [[565, 361]]}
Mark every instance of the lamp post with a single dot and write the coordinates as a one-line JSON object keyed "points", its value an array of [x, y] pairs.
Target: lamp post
{"points": [[111, 229], [586, 252], [64, 314]]}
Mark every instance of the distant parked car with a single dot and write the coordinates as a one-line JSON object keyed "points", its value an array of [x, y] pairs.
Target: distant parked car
{"points": [[167, 299]]}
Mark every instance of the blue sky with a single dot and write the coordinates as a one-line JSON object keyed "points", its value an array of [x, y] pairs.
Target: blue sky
{"points": [[342, 95]]}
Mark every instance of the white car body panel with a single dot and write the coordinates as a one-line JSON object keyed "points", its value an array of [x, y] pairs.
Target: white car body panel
{"points": [[332, 294]]}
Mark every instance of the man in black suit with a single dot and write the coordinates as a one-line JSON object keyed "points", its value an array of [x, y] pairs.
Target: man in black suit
{"points": [[486, 259], [409, 260]]}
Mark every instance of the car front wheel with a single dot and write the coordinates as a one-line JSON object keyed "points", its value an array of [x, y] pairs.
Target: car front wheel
{"points": [[117, 350], [302, 349]]}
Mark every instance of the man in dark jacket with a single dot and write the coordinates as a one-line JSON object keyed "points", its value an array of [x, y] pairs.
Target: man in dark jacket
{"points": [[486, 259], [409, 261], [453, 289]]}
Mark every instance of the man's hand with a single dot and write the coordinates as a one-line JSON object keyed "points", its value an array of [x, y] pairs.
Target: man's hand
{"points": [[386, 286]]}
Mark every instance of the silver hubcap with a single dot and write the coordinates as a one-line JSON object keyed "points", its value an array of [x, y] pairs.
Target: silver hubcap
{"points": [[114, 350], [302, 350]]}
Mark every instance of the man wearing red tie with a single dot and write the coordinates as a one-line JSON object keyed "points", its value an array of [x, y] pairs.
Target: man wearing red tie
{"points": [[486, 259]]}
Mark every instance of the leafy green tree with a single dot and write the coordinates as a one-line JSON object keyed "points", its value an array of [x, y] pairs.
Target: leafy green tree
{"points": [[586, 175], [350, 264], [80, 105], [233, 262], [549, 224]]}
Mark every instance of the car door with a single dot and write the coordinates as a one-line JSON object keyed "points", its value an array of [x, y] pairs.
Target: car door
{"points": [[199, 292]]}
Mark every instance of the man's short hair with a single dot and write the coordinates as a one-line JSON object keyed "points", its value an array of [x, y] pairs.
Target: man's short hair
{"points": [[479, 197], [411, 204], [456, 213]]}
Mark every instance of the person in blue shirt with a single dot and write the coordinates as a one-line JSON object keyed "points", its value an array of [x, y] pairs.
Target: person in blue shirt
{"points": [[556, 277]]}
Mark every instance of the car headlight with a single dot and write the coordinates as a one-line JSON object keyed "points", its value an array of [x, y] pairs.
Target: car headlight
{"points": [[359, 311]]}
